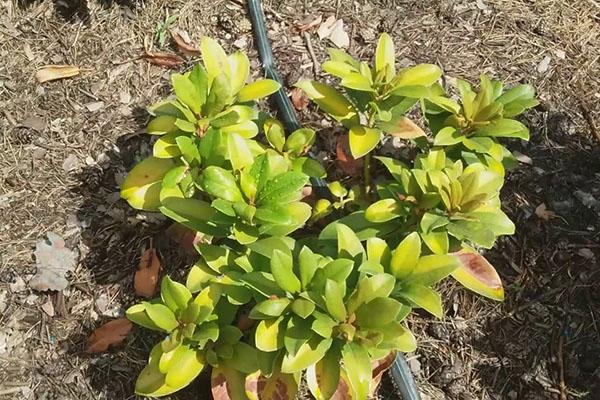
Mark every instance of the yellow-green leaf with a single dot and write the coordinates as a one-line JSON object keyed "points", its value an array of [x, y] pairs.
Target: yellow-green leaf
{"points": [[385, 56], [141, 187], [406, 256], [424, 297], [239, 152], [419, 75], [214, 57], [363, 140], [331, 101], [258, 89], [161, 125], [240, 69], [269, 334]]}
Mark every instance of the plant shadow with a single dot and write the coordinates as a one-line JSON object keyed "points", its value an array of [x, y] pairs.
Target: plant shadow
{"points": [[78, 10]]}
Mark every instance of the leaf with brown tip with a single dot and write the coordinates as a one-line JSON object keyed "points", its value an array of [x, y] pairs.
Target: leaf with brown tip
{"points": [[478, 275], [110, 334]]}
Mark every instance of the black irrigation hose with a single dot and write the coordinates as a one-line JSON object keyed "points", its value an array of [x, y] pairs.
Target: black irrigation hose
{"points": [[400, 371], [284, 105]]}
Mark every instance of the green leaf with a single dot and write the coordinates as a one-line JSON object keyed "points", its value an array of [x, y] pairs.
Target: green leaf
{"points": [[382, 210], [349, 244], [448, 136], [192, 213], [394, 166], [269, 334], [166, 146], [269, 309], [239, 152], [385, 56], [162, 316], [377, 313], [282, 269], [185, 365], [200, 274], [432, 269], [161, 125], [509, 128], [257, 90], [309, 353], [189, 149], [188, 93], [357, 365], [424, 297], [303, 308], [220, 183], [363, 140], [378, 251], [214, 57], [437, 241], [240, 69], [430, 222], [141, 188], [397, 337], [219, 95], [369, 288], [323, 325], [309, 166], [334, 300], [422, 74], [331, 101], [175, 295], [283, 189], [323, 377], [275, 133], [137, 314], [299, 141], [307, 266], [244, 359], [405, 257]]}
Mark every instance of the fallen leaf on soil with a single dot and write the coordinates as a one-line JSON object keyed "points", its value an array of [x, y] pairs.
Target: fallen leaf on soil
{"points": [[28, 53], [94, 106], [544, 65], [53, 262], [344, 158], [542, 212], [299, 99], [407, 129], [184, 46], [586, 253], [110, 334], [163, 59], [146, 277], [185, 237], [309, 22], [325, 29], [339, 36], [48, 308], [54, 72], [70, 163], [522, 158], [34, 122]]}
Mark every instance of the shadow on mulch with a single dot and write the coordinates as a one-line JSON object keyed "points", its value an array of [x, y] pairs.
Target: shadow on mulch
{"points": [[545, 335], [78, 10], [115, 237]]}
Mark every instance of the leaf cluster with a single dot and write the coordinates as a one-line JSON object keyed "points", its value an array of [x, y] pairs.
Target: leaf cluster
{"points": [[288, 284]]}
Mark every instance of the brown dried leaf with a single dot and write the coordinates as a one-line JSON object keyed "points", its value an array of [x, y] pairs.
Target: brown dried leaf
{"points": [[54, 72], [542, 212], [405, 128], [299, 98], [345, 161], [309, 22], [185, 237], [184, 46], [145, 281], [167, 60], [110, 334]]}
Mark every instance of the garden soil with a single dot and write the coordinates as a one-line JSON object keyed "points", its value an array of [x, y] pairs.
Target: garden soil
{"points": [[65, 147]]}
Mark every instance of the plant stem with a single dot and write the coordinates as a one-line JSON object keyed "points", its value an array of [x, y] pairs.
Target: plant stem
{"points": [[367, 174]]}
